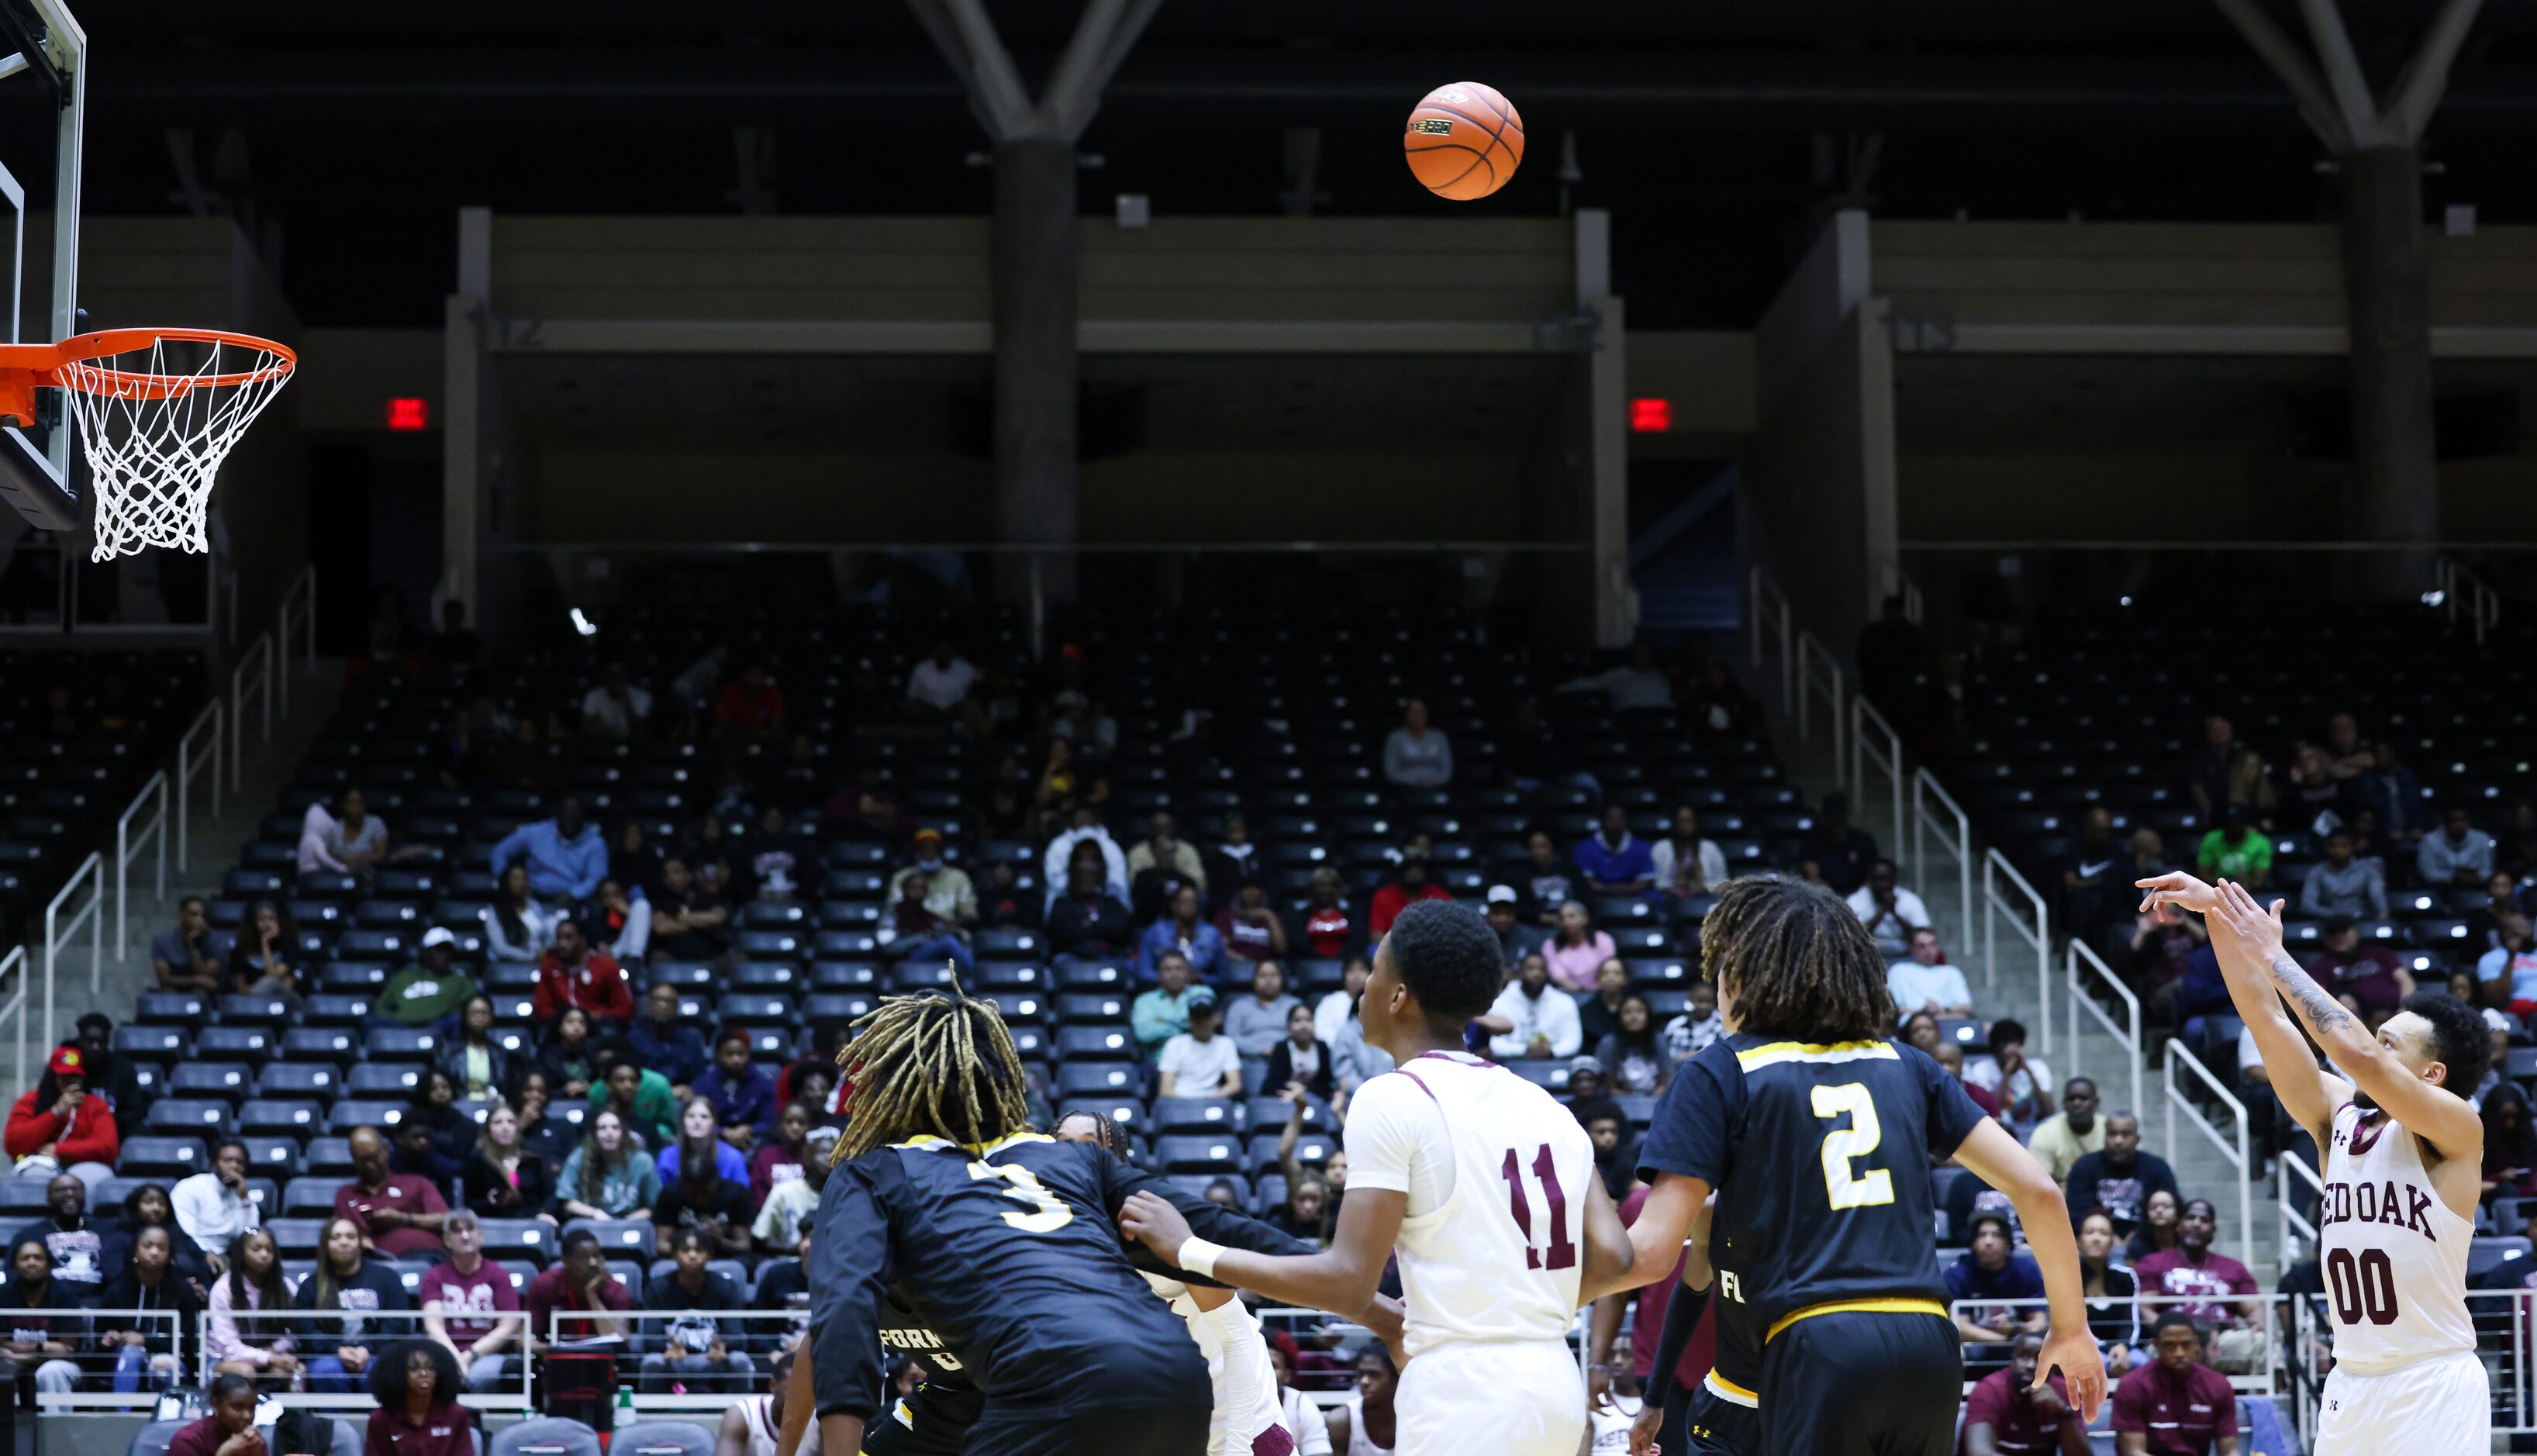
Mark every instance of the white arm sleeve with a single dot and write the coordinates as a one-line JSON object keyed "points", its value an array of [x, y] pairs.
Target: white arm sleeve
{"points": [[1396, 1139], [1242, 1400]]}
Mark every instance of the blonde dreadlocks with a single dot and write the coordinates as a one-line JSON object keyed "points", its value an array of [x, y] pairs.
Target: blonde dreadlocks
{"points": [[936, 1062]]}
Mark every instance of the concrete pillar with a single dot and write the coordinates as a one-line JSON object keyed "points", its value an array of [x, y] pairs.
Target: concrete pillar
{"points": [[2387, 282], [1035, 391]]}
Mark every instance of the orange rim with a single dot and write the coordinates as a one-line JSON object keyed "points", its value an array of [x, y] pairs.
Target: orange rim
{"points": [[54, 363]]}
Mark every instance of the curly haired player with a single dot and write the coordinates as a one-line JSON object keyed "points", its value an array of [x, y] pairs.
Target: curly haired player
{"points": [[988, 1252]]}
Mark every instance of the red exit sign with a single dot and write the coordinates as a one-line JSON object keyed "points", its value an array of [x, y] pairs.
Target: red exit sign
{"points": [[1650, 416], [408, 414]]}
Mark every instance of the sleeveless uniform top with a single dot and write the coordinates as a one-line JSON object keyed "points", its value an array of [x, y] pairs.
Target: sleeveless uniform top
{"points": [[1228, 1429], [2392, 1254], [759, 1411], [1359, 1443], [1611, 1426], [1497, 1176]]}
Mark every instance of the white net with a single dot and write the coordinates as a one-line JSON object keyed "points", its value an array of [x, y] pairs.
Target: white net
{"points": [[154, 424]]}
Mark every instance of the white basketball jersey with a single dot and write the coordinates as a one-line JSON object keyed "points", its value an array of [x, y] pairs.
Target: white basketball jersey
{"points": [[1228, 1431], [2394, 1255], [1359, 1443], [1611, 1426], [1497, 1175]]}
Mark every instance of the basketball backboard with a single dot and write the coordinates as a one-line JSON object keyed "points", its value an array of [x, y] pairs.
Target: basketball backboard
{"points": [[43, 69]]}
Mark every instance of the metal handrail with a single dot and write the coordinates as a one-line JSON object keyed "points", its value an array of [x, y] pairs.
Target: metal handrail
{"points": [[1873, 743], [1768, 609], [1923, 788], [2038, 936], [199, 748], [152, 798], [2459, 588], [2127, 1033], [14, 1010], [58, 932], [2292, 1224], [2237, 1152], [301, 586], [1819, 671], [254, 669], [2256, 1382]]}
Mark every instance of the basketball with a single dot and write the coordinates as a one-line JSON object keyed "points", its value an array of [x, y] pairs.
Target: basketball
{"points": [[1464, 140]]}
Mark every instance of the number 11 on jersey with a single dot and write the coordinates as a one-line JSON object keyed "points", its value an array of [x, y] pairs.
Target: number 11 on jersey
{"points": [[1562, 1253]]}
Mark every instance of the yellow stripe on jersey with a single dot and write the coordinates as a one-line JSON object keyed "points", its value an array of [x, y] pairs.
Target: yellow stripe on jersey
{"points": [[928, 1140], [1772, 1053], [1859, 1307], [1727, 1390]]}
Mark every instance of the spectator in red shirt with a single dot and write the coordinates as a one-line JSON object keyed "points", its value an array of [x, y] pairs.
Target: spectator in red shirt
{"points": [[752, 707], [574, 974], [230, 1430], [398, 1213], [2005, 1416], [2369, 979], [1249, 926], [2221, 1294], [59, 1118], [419, 1414], [579, 1282], [1411, 886], [2175, 1405], [1326, 915]]}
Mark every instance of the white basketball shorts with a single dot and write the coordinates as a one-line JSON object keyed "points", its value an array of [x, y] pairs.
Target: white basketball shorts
{"points": [[2439, 1407], [1514, 1399]]}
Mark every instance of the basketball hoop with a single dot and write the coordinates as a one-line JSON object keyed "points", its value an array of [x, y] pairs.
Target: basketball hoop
{"points": [[159, 410]]}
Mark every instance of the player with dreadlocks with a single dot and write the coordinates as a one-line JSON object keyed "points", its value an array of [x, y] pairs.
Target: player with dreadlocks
{"points": [[952, 1231], [1817, 1133]]}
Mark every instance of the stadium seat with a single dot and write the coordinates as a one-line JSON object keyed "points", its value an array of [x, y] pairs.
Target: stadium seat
{"points": [[1211, 1116], [382, 1079], [400, 1044], [162, 1156], [1095, 1044], [226, 1080], [177, 1116], [1100, 1078], [617, 1238]]}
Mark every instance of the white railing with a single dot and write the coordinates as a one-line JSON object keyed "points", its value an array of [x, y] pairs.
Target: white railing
{"points": [[198, 750], [1770, 618], [1874, 745], [58, 932], [647, 1331], [1819, 674], [2233, 1150], [377, 1330], [2462, 589], [298, 600], [2076, 959], [254, 671], [13, 1011], [2296, 1235], [2008, 898], [2258, 1380], [1946, 820], [144, 821]]}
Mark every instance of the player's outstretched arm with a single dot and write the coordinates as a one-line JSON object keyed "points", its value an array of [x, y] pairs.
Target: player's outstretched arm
{"points": [[2307, 1092], [1994, 1156], [1341, 1278], [2443, 1115], [1611, 1258]]}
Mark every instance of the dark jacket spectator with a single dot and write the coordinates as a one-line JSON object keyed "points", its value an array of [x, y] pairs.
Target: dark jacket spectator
{"points": [[666, 1045]]}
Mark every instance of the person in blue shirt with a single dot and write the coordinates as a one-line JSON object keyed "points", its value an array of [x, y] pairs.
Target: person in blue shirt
{"points": [[661, 1042], [1992, 1270], [1614, 860], [741, 1093], [1181, 931], [565, 855]]}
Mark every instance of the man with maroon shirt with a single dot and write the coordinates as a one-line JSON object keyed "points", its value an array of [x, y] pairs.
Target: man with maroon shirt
{"points": [[2224, 1295], [2175, 1405], [1952, 1058], [575, 973], [2369, 979], [398, 1213], [2005, 1416], [580, 1281]]}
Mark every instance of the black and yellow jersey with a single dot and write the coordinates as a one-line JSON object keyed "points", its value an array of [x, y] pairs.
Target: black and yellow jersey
{"points": [[1001, 1270], [1820, 1155]]}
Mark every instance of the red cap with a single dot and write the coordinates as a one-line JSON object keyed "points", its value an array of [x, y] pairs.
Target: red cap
{"points": [[67, 1062]]}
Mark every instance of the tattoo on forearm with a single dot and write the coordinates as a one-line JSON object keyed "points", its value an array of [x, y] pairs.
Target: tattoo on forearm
{"points": [[2324, 1013]]}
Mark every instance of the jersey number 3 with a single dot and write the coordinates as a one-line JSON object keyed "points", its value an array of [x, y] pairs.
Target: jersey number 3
{"points": [[1562, 1253], [1845, 1189], [1052, 1213]]}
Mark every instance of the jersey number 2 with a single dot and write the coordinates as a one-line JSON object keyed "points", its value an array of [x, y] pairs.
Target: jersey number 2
{"points": [[1562, 1253], [1845, 1189], [1052, 1212]]}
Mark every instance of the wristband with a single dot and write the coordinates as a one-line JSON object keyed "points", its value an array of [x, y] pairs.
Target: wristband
{"points": [[1199, 1257]]}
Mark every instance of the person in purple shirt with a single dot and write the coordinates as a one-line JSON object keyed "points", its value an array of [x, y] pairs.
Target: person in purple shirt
{"points": [[1614, 860], [741, 1093]]}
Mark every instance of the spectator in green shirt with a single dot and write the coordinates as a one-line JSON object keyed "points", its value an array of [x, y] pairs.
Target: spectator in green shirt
{"points": [[641, 1096], [429, 991], [2236, 851], [1162, 1013]]}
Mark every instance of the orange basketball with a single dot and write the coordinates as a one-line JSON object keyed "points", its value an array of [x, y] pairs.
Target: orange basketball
{"points": [[1464, 140]]}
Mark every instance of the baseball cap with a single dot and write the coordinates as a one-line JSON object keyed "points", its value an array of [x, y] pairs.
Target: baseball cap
{"points": [[438, 935], [924, 835], [1584, 1064], [67, 1062], [1202, 996], [823, 1137], [1501, 895]]}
